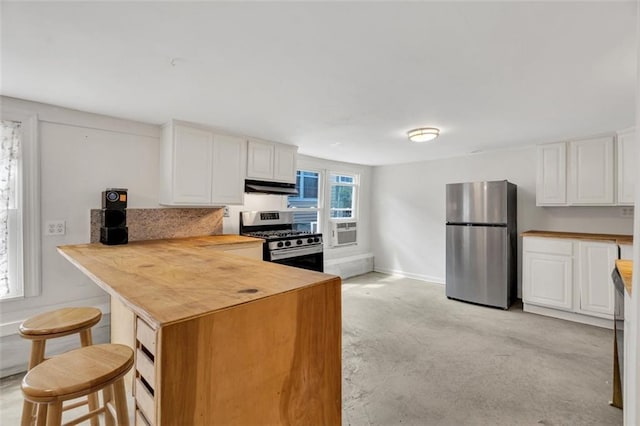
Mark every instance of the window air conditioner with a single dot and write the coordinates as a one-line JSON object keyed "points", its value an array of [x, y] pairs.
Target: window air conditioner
{"points": [[343, 233]]}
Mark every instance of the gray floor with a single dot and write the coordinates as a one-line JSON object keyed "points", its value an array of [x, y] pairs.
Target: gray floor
{"points": [[413, 357]]}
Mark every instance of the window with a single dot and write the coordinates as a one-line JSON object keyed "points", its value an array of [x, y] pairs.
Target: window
{"points": [[311, 212], [19, 207], [343, 196], [306, 203], [10, 203]]}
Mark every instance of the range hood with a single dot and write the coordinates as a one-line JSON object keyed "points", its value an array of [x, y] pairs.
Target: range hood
{"points": [[264, 187]]}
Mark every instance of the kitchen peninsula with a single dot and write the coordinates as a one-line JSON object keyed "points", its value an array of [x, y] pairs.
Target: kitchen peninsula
{"points": [[221, 338]]}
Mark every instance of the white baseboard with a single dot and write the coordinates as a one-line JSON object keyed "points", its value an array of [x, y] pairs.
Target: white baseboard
{"points": [[349, 266], [11, 327], [420, 277], [569, 316]]}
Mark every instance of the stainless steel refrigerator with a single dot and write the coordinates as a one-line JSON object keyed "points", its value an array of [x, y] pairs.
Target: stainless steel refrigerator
{"points": [[482, 243]]}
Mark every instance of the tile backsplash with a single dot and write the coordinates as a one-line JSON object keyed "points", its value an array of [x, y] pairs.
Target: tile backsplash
{"points": [[153, 224]]}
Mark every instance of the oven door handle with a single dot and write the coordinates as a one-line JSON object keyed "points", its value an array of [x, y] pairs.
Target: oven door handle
{"points": [[295, 252]]}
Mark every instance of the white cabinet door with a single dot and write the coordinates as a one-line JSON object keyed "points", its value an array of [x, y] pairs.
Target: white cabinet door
{"points": [[229, 158], [285, 166], [551, 185], [198, 168], [260, 159], [590, 169], [547, 280], [626, 167], [595, 262], [192, 168]]}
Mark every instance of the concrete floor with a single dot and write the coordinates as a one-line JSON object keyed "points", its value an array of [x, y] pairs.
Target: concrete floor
{"points": [[413, 357]]}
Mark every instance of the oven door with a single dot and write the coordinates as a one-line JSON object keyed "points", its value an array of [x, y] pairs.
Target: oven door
{"points": [[311, 258]]}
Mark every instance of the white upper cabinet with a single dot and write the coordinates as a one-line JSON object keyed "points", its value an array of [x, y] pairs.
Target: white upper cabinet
{"points": [[229, 158], [582, 173], [590, 171], [626, 167], [200, 168], [271, 161], [260, 158], [285, 163], [551, 185]]}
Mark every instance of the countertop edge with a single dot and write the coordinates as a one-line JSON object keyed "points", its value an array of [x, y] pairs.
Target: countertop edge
{"points": [[616, 238], [625, 269]]}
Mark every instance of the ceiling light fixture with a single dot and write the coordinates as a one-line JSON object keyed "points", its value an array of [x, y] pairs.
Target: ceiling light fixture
{"points": [[423, 134]]}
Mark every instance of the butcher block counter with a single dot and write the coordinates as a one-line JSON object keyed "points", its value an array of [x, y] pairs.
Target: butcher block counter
{"points": [[221, 337], [625, 268], [616, 238]]}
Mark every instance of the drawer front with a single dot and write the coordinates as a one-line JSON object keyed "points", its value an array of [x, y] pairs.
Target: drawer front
{"points": [[144, 402], [146, 368], [146, 336], [140, 420], [548, 245]]}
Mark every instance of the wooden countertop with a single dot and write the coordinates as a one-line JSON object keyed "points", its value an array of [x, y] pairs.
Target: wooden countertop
{"points": [[625, 267], [618, 239], [167, 281]]}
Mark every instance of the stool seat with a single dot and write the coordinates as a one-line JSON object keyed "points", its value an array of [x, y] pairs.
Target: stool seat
{"points": [[76, 373], [60, 322]]}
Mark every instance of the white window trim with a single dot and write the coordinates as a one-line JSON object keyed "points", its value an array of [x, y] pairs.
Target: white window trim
{"points": [[321, 198], [30, 187], [356, 196]]}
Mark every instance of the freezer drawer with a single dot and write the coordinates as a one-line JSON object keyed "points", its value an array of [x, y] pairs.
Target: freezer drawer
{"points": [[480, 202], [477, 265]]}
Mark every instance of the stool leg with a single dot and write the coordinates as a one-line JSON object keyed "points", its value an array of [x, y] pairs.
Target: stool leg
{"points": [[94, 403], [107, 396], [121, 402], [37, 356], [41, 420], [54, 414]]}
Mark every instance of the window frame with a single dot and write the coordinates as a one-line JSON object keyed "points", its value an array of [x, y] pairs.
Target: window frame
{"points": [[319, 209], [29, 187], [355, 195]]}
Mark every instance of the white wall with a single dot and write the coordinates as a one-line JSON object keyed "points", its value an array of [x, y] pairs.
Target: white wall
{"points": [[408, 209], [81, 155], [631, 395]]}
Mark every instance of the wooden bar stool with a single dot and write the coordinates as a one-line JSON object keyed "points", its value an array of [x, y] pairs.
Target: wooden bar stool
{"points": [[58, 323], [77, 373]]}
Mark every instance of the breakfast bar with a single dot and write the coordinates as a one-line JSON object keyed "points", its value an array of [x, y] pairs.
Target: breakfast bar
{"points": [[221, 338]]}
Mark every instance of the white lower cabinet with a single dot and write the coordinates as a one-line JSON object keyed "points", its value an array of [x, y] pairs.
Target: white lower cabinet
{"points": [[569, 279], [548, 280], [596, 262]]}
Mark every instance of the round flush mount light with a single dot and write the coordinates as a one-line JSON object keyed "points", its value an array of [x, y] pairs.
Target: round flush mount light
{"points": [[423, 134]]}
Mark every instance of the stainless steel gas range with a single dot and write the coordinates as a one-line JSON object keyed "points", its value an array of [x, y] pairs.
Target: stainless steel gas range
{"points": [[283, 244]]}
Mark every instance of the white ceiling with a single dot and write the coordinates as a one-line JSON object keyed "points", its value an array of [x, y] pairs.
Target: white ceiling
{"points": [[341, 80]]}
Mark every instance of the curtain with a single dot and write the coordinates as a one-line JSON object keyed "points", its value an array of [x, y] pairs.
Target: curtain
{"points": [[10, 151]]}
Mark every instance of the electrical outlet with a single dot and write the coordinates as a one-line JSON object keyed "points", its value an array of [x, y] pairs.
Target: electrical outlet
{"points": [[225, 211], [626, 212], [55, 227]]}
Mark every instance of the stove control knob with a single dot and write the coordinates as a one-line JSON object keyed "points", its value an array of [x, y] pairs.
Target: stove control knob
{"points": [[299, 242], [280, 244], [309, 240], [287, 243], [316, 239]]}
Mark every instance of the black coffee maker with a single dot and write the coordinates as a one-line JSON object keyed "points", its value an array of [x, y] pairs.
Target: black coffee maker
{"points": [[114, 217]]}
